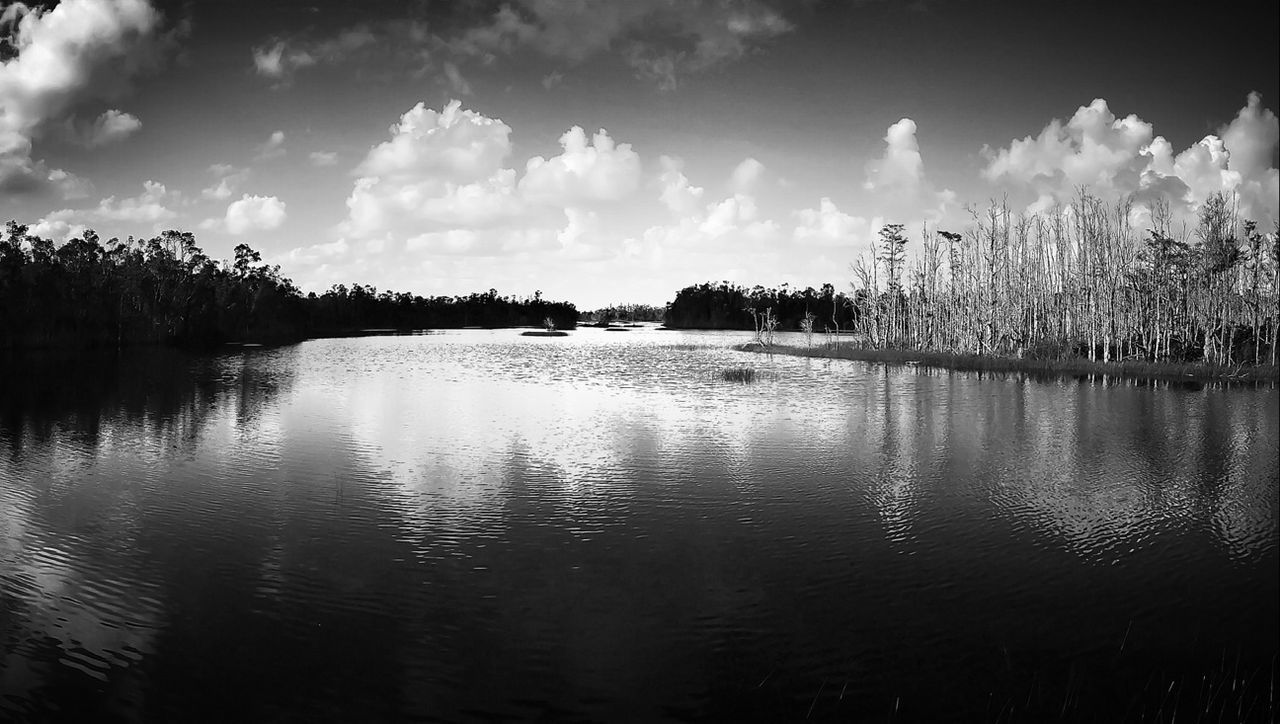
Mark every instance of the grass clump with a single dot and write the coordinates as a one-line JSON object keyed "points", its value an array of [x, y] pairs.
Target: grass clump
{"points": [[743, 375]]}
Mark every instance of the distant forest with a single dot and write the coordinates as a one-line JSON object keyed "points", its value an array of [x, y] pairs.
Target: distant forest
{"points": [[166, 290], [725, 305], [624, 313]]}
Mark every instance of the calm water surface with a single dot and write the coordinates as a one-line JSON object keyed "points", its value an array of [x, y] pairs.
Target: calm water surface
{"points": [[476, 525]]}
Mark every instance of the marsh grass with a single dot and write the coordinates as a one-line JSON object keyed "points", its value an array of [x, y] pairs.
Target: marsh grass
{"points": [[743, 375], [1052, 368], [1025, 687]]}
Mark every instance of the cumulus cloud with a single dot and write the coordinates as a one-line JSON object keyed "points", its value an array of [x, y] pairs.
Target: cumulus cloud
{"points": [[897, 182], [77, 51], [271, 148], [456, 143], [596, 171], [579, 239], [148, 210], [110, 127], [439, 169], [441, 191], [1119, 156], [828, 226], [1251, 138], [1093, 148], [147, 207], [733, 224], [58, 226], [678, 195], [254, 213], [746, 175], [901, 168], [443, 173], [661, 41], [228, 181]]}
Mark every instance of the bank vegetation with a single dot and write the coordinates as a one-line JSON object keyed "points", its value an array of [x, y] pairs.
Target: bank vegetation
{"points": [[1078, 281], [166, 290]]}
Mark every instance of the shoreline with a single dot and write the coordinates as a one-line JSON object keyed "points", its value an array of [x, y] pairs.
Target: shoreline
{"points": [[1048, 368]]}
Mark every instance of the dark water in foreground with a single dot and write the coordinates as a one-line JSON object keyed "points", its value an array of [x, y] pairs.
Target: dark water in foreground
{"points": [[478, 525]]}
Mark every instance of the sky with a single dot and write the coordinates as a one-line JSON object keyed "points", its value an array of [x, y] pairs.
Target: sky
{"points": [[616, 151]]}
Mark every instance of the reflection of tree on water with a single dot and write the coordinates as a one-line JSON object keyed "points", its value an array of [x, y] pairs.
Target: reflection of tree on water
{"points": [[1108, 469], [893, 436], [163, 396], [85, 443]]}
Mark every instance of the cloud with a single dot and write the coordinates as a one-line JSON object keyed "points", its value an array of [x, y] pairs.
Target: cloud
{"points": [[745, 175], [59, 226], [678, 195], [901, 168], [110, 127], [77, 51], [323, 158], [439, 169], [457, 83], [149, 209], [254, 213], [229, 179], [897, 183], [1251, 139], [1093, 148], [828, 226], [440, 193], [400, 43], [733, 224], [459, 144], [585, 172], [661, 41], [698, 244], [271, 148], [278, 61], [283, 57], [1120, 156], [736, 214]]}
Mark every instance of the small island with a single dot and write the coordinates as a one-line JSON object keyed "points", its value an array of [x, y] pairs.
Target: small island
{"points": [[548, 330]]}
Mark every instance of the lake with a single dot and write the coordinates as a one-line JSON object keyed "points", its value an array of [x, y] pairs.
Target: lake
{"points": [[475, 525]]}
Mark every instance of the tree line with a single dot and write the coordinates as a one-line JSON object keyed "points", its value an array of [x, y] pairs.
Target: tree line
{"points": [[1078, 281], [726, 305], [624, 313], [166, 290]]}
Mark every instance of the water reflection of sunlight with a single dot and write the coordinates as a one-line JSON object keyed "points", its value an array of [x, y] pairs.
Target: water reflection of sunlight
{"points": [[1074, 461]]}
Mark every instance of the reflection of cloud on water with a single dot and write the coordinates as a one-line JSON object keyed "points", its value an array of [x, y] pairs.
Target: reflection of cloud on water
{"points": [[99, 460], [71, 599], [1098, 470]]}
